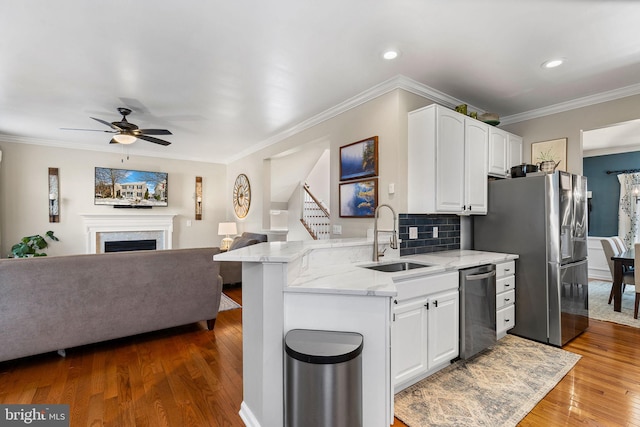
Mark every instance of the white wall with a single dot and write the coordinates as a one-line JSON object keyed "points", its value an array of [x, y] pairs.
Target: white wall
{"points": [[319, 179], [385, 116], [24, 195], [569, 124]]}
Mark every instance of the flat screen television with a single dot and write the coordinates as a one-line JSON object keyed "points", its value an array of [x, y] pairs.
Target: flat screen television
{"points": [[130, 188]]}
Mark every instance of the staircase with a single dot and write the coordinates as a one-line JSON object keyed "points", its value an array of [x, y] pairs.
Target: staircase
{"points": [[315, 217]]}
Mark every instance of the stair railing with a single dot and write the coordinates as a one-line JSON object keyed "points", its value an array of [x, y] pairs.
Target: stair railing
{"points": [[315, 217]]}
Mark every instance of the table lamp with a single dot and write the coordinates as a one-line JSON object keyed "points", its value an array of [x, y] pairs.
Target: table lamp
{"points": [[225, 229]]}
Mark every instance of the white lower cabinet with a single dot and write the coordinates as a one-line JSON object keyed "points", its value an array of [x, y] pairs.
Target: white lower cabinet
{"points": [[425, 327], [505, 297]]}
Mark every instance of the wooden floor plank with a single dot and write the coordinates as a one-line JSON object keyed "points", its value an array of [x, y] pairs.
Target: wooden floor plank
{"points": [[189, 376]]}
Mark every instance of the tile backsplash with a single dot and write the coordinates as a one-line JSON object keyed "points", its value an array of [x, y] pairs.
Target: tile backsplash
{"points": [[448, 233]]}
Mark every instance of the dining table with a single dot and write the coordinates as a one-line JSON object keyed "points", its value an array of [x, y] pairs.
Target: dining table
{"points": [[621, 262]]}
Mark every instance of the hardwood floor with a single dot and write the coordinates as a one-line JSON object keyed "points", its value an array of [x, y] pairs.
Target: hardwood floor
{"points": [[189, 376]]}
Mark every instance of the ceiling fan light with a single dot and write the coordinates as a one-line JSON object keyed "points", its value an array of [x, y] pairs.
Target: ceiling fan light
{"points": [[124, 139]]}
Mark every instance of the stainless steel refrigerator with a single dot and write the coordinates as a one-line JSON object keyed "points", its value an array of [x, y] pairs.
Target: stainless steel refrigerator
{"points": [[543, 219]]}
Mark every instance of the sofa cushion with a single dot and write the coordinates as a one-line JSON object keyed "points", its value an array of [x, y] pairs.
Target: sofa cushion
{"points": [[241, 242], [257, 236]]}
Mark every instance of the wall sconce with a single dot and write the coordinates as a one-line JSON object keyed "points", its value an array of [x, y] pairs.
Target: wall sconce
{"points": [[54, 196], [226, 229], [198, 197]]}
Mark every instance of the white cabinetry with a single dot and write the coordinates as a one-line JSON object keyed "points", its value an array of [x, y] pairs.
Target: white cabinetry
{"points": [[505, 151], [505, 297], [447, 162], [425, 328]]}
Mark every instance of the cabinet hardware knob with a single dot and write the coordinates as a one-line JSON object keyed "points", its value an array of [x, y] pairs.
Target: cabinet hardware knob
{"points": [[507, 285], [395, 301], [435, 303], [507, 299], [427, 305], [506, 320], [507, 269]]}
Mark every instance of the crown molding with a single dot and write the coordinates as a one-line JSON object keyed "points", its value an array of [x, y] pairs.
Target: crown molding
{"points": [[88, 147], [397, 82], [561, 107]]}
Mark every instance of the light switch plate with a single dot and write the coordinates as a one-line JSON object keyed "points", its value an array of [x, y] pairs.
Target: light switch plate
{"points": [[337, 229], [413, 232]]}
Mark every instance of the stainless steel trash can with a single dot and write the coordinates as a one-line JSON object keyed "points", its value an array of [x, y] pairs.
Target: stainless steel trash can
{"points": [[323, 378]]}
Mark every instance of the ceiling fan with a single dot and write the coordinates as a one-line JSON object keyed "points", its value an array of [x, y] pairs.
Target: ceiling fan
{"points": [[127, 133]]}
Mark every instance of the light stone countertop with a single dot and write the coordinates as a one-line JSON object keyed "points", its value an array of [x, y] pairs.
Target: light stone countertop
{"points": [[335, 266]]}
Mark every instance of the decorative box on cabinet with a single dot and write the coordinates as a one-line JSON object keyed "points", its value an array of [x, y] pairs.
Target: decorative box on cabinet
{"points": [[425, 327], [447, 162], [505, 151], [505, 297]]}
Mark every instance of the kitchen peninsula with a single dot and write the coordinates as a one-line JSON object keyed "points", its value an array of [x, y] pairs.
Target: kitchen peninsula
{"points": [[323, 285]]}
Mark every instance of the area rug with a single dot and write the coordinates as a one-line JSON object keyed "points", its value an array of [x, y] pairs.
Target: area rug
{"points": [[227, 303], [600, 310], [498, 387]]}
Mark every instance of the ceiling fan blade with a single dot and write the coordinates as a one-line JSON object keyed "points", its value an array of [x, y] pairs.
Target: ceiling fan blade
{"points": [[113, 141], [104, 122], [90, 130], [152, 139], [151, 132]]}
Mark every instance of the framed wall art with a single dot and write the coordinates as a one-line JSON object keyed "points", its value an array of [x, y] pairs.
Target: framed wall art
{"points": [[359, 159], [359, 199], [554, 150]]}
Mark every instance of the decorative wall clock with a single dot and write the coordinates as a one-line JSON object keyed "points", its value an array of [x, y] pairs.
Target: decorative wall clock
{"points": [[241, 195]]}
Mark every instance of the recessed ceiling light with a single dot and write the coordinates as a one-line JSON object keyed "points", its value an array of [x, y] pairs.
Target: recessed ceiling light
{"points": [[552, 63], [390, 54]]}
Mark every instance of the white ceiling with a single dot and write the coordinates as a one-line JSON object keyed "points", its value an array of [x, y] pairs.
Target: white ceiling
{"points": [[226, 77]]}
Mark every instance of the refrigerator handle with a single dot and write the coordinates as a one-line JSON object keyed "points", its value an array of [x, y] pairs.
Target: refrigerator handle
{"points": [[480, 276]]}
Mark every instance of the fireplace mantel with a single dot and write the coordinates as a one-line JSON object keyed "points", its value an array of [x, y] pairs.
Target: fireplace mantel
{"points": [[101, 224]]}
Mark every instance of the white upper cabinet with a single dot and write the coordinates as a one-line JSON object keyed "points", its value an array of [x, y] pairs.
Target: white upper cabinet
{"points": [[476, 142], [514, 152], [505, 151], [447, 164]]}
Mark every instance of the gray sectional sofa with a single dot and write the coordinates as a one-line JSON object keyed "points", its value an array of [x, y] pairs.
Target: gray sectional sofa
{"points": [[55, 303]]}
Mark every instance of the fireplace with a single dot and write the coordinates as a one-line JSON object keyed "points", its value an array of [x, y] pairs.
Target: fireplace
{"points": [[130, 245], [103, 228]]}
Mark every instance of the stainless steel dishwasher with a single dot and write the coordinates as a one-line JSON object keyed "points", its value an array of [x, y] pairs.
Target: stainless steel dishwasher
{"points": [[477, 309]]}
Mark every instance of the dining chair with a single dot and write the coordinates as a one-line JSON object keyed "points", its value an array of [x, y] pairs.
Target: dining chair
{"points": [[611, 249], [620, 243], [637, 273]]}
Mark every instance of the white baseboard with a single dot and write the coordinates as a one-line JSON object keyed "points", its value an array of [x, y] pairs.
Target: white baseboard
{"points": [[598, 266], [247, 416]]}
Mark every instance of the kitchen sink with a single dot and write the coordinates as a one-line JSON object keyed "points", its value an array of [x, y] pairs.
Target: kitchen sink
{"points": [[394, 267]]}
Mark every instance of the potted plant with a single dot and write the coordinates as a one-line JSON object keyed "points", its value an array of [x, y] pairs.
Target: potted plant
{"points": [[31, 246]]}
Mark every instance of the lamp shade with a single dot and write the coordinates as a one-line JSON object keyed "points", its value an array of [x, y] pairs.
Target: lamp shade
{"points": [[227, 228]]}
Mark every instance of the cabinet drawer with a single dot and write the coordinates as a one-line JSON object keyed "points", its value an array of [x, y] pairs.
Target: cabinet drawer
{"points": [[505, 318], [505, 298], [425, 285], [505, 269], [505, 284]]}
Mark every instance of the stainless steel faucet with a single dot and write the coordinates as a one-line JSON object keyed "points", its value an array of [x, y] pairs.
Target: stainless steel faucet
{"points": [[393, 241]]}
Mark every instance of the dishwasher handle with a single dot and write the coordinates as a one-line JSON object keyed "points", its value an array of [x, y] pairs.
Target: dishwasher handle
{"points": [[480, 276]]}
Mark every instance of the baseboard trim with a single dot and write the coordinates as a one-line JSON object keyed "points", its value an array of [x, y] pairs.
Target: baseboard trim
{"points": [[247, 416]]}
